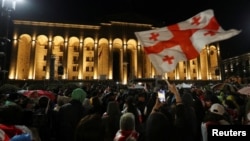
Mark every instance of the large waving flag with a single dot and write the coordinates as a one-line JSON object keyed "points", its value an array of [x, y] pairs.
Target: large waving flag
{"points": [[183, 41]]}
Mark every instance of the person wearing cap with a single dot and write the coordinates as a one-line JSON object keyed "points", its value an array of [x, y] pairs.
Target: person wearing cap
{"points": [[216, 115]]}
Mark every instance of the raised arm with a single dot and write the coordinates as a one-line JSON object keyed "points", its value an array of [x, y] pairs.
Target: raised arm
{"points": [[172, 88]]}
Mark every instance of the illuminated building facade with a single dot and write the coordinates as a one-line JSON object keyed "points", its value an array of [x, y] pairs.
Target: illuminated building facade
{"points": [[237, 66], [88, 52]]}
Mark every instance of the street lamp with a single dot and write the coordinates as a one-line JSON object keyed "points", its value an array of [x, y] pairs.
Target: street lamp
{"points": [[10, 4], [7, 7]]}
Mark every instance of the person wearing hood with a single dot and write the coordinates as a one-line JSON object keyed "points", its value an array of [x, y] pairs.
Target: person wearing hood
{"points": [[127, 128], [70, 114], [186, 119], [111, 120]]}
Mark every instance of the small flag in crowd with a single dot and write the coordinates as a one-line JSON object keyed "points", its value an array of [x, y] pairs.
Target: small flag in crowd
{"points": [[183, 41]]}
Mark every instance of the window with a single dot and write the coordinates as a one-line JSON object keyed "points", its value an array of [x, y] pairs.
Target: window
{"points": [[44, 68], [75, 48], [92, 69], [89, 48], [89, 69], [75, 68], [60, 59], [61, 47], [60, 70], [194, 70], [89, 59], [44, 57], [75, 60]]}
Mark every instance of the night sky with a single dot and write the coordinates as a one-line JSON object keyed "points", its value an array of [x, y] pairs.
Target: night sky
{"points": [[229, 13]]}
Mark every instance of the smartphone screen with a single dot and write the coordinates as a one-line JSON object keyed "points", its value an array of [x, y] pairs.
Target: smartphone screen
{"points": [[161, 95]]}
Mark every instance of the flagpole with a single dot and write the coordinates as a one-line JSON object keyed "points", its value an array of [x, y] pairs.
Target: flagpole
{"points": [[165, 78]]}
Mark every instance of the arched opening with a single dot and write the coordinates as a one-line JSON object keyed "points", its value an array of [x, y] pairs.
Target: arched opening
{"points": [[116, 65]]}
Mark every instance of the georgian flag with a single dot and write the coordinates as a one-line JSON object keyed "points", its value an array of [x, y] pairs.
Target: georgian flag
{"points": [[183, 41]]}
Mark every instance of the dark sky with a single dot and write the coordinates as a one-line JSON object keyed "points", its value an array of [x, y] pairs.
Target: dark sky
{"points": [[229, 13]]}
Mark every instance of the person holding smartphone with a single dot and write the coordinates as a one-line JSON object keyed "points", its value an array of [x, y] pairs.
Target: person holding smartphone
{"points": [[160, 123], [161, 97], [184, 119]]}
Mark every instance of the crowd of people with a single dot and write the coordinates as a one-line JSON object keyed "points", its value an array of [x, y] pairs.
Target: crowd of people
{"points": [[102, 112]]}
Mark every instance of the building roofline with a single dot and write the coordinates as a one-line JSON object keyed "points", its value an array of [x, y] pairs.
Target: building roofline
{"points": [[52, 24]]}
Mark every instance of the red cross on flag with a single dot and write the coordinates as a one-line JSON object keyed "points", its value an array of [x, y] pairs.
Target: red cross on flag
{"points": [[183, 41]]}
